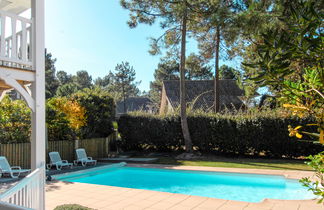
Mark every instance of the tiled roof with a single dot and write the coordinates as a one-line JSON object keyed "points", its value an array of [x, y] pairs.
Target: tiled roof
{"points": [[134, 104], [200, 93]]}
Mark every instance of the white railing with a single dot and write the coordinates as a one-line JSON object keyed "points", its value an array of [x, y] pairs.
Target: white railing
{"points": [[29, 192], [15, 40], [9, 206]]}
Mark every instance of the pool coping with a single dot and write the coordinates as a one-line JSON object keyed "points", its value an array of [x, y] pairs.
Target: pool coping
{"points": [[98, 168], [264, 204]]}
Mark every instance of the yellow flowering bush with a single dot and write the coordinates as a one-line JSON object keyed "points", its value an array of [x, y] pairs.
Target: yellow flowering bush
{"points": [[65, 118], [74, 113]]}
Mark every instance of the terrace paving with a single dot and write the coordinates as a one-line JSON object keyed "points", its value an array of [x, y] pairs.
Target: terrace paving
{"points": [[114, 198]]}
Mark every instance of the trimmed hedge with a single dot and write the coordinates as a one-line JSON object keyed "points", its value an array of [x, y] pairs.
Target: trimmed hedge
{"points": [[235, 135]]}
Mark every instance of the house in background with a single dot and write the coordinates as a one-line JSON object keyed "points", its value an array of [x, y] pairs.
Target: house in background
{"points": [[133, 104], [200, 95], [13, 94]]}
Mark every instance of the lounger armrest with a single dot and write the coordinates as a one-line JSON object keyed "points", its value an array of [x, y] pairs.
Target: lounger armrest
{"points": [[65, 161], [89, 158], [16, 167]]}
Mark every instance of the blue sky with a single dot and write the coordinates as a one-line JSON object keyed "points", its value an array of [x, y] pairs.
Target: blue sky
{"points": [[93, 35]]}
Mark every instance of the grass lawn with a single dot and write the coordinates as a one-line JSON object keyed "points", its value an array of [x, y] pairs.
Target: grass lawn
{"points": [[258, 163]]}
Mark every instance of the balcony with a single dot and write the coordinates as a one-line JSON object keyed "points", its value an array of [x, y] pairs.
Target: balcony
{"points": [[15, 41]]}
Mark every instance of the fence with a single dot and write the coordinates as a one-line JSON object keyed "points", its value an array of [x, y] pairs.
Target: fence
{"points": [[28, 192], [19, 154], [16, 154]]}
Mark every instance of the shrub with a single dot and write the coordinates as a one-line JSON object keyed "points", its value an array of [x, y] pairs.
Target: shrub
{"points": [[88, 114], [64, 118], [14, 121], [71, 207], [225, 134], [100, 112]]}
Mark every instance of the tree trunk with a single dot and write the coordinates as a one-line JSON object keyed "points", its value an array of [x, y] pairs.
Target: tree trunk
{"points": [[216, 83], [124, 98], [183, 105]]}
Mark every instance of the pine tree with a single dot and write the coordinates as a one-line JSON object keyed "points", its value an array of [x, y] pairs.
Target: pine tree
{"points": [[82, 79], [173, 16], [167, 69], [63, 77], [51, 82], [216, 30], [124, 81]]}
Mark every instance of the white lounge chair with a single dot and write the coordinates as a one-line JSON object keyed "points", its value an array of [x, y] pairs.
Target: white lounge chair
{"points": [[13, 171], [83, 158], [55, 160]]}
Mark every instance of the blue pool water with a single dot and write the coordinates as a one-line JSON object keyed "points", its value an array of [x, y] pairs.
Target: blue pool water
{"points": [[230, 186]]}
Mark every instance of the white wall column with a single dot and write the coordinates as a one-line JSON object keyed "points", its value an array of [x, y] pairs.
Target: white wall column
{"points": [[38, 87], [38, 92]]}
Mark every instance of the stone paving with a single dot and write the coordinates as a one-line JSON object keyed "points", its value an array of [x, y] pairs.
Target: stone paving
{"points": [[114, 198]]}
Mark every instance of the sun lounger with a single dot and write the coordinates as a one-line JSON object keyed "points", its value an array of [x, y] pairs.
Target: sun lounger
{"points": [[55, 160], [13, 171], [83, 158]]}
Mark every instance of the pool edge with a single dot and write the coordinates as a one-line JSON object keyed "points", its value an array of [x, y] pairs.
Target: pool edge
{"points": [[288, 174]]}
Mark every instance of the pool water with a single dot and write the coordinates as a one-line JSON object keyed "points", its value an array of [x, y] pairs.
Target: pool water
{"points": [[230, 186]]}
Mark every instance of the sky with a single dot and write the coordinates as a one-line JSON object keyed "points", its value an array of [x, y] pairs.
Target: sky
{"points": [[92, 35]]}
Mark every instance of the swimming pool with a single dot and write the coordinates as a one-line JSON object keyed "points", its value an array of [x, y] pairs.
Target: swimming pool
{"points": [[230, 186]]}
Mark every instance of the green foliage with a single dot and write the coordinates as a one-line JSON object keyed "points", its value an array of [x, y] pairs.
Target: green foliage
{"points": [[64, 119], [284, 53], [227, 72], [63, 77], [100, 112], [167, 69], [218, 16], [14, 121], [290, 60], [70, 84], [317, 187], [67, 89], [241, 134], [120, 84], [306, 95], [61, 83], [51, 82], [71, 207], [124, 81], [82, 79], [57, 124], [197, 69], [105, 81]]}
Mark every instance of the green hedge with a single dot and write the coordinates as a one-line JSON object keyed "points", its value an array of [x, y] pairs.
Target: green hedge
{"points": [[239, 135]]}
